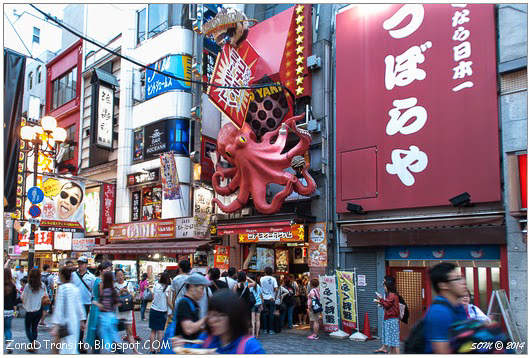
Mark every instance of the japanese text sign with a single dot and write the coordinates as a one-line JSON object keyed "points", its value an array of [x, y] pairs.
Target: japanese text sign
{"points": [[221, 257], [104, 123], [327, 288], [144, 230], [178, 65], [296, 234], [234, 68], [417, 116], [83, 243], [317, 249], [347, 300], [108, 206]]}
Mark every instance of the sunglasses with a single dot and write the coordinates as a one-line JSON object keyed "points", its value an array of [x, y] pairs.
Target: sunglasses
{"points": [[65, 195]]}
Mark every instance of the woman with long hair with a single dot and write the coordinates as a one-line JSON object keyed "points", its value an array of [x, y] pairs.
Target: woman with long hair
{"points": [[158, 310], [93, 319], [107, 303], [32, 298], [68, 310], [142, 286], [227, 326], [257, 308], [391, 327], [123, 289], [10, 301]]}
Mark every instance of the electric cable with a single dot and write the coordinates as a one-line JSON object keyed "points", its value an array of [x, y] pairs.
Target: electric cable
{"points": [[20, 38], [127, 58]]}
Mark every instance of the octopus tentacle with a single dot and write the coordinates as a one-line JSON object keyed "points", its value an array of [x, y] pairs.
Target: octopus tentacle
{"points": [[229, 188], [265, 208], [304, 136], [237, 204], [310, 184]]}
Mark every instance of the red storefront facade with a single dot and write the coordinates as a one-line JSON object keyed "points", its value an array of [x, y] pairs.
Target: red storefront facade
{"points": [[63, 98]]}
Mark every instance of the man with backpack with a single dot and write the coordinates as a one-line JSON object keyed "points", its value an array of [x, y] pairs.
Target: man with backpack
{"points": [[431, 335]]}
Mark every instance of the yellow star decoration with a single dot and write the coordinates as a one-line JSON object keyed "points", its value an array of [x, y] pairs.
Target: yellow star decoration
{"points": [[299, 70], [299, 80], [299, 19], [299, 91], [299, 49], [299, 39], [299, 60], [299, 9], [299, 29]]}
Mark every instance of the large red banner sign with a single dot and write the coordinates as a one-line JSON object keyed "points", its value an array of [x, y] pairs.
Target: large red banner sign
{"points": [[417, 115]]}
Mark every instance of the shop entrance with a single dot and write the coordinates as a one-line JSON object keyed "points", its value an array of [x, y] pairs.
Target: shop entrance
{"points": [[411, 285]]}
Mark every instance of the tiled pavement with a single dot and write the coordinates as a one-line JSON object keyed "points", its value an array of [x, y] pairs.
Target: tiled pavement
{"points": [[288, 342]]}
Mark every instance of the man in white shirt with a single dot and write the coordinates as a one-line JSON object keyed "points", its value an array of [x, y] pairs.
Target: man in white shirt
{"points": [[84, 281], [178, 283], [269, 288], [229, 279], [19, 275]]}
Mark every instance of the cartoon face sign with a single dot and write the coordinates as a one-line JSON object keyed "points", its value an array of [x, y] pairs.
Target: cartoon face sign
{"points": [[69, 200]]}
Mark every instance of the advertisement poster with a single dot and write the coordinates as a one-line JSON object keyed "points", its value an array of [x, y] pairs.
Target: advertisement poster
{"points": [[43, 240], [265, 258], [62, 241], [282, 260], [151, 203], [92, 209], [294, 234], [154, 139], [178, 65], [62, 208], [83, 243], [138, 144], [135, 206], [347, 300], [170, 177], [327, 288], [318, 248], [221, 257]]}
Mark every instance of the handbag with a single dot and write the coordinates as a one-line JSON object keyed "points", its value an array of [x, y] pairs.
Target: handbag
{"points": [[148, 295], [62, 332], [45, 301], [121, 325], [126, 303], [317, 307]]}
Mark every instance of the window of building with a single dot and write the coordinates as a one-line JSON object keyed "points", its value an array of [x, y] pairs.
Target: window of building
{"points": [[70, 143], [64, 88], [38, 74], [36, 35], [30, 80], [156, 18]]}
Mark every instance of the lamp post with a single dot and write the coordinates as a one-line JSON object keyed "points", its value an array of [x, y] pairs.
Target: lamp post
{"points": [[40, 139]]}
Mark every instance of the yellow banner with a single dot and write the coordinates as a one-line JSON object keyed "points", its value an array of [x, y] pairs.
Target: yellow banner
{"points": [[347, 299]]}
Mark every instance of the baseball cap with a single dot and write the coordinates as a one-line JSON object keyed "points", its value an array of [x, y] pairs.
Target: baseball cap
{"points": [[82, 259], [197, 279]]}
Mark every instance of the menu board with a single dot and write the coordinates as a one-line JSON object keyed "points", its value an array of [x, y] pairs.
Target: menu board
{"points": [[263, 258], [281, 260]]}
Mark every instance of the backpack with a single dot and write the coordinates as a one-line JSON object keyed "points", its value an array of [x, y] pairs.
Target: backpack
{"points": [[404, 310], [248, 297], [464, 334], [416, 341], [316, 306], [45, 279], [170, 330]]}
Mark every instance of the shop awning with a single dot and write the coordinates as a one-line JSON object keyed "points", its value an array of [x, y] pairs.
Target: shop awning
{"points": [[254, 228], [477, 229], [177, 247]]}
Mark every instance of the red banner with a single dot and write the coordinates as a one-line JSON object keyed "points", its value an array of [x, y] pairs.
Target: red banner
{"points": [[417, 108], [222, 257], [109, 202]]}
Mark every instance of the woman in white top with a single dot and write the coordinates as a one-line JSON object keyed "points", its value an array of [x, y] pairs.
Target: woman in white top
{"points": [[473, 312], [68, 310], [32, 296], [159, 307], [123, 288]]}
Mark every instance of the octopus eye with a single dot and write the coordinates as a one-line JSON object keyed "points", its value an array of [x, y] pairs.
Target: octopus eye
{"points": [[228, 154], [243, 140]]}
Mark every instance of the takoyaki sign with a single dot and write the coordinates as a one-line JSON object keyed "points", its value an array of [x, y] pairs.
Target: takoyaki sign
{"points": [[318, 250], [296, 234]]}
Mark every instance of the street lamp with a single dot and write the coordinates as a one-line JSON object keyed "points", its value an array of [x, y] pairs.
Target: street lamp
{"points": [[40, 139]]}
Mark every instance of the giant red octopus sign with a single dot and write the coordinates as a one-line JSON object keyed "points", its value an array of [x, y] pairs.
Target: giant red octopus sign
{"points": [[253, 145]]}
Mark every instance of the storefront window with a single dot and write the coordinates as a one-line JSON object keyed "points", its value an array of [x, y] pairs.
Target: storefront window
{"points": [[64, 88], [141, 26], [157, 19]]}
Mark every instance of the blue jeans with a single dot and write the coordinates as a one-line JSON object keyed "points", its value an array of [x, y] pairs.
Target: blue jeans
{"points": [[290, 316], [108, 329], [269, 305], [143, 307], [8, 335], [31, 322]]}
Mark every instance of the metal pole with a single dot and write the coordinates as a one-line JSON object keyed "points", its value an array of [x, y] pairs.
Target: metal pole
{"points": [[31, 249]]}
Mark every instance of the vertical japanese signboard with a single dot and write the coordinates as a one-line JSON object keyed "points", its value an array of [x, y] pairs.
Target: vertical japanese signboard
{"points": [[416, 105], [347, 300], [170, 177], [221, 257], [327, 288], [104, 123], [109, 193]]}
